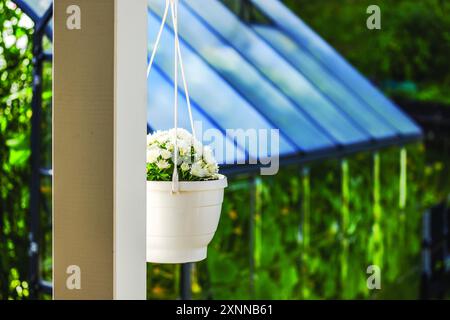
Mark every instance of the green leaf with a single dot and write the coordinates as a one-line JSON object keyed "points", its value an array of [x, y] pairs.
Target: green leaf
{"points": [[19, 158]]}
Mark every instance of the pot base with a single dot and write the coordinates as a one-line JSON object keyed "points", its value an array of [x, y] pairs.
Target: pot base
{"points": [[176, 256]]}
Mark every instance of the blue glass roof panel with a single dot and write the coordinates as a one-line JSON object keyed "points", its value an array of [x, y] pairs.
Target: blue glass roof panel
{"points": [[362, 112], [336, 117], [214, 96], [305, 37], [246, 80]]}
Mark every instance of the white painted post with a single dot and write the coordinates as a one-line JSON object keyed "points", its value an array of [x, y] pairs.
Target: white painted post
{"points": [[130, 149], [99, 139]]}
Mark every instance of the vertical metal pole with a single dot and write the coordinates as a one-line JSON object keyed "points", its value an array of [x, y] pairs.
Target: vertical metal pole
{"points": [[246, 10], [345, 221], [445, 238], [377, 231], [304, 231], [426, 275], [185, 283], [36, 104], [403, 193], [403, 179], [36, 107], [252, 234], [258, 222]]}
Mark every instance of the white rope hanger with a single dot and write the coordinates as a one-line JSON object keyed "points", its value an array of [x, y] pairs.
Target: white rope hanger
{"points": [[178, 66]]}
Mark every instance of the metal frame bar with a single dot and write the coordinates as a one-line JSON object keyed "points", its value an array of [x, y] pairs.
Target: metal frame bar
{"points": [[186, 282], [38, 60], [33, 16], [251, 226], [325, 154], [435, 273], [246, 10]]}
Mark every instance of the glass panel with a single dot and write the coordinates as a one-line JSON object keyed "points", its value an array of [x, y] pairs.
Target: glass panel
{"points": [[309, 40], [327, 83], [208, 91], [233, 70], [259, 64], [160, 117]]}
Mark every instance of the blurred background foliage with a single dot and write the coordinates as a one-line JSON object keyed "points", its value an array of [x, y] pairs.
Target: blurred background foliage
{"points": [[15, 114], [407, 57], [16, 31], [312, 231]]}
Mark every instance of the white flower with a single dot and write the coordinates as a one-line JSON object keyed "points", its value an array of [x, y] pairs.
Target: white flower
{"points": [[182, 134], [162, 164], [159, 137], [198, 170], [160, 151], [166, 154], [185, 167], [183, 147], [151, 139], [198, 148], [152, 155], [208, 155], [212, 169]]}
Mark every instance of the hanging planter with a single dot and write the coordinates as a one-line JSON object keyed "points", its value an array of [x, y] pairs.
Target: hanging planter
{"points": [[181, 224], [184, 188]]}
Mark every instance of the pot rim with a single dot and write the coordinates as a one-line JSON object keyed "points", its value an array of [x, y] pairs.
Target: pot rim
{"points": [[220, 183]]}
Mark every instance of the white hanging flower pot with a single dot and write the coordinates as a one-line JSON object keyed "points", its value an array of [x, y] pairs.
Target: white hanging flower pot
{"points": [[184, 197], [181, 225], [184, 188]]}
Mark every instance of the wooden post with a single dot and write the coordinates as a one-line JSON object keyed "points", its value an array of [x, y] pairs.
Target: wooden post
{"points": [[99, 139]]}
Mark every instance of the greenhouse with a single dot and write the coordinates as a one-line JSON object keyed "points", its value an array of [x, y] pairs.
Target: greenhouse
{"points": [[344, 197]]}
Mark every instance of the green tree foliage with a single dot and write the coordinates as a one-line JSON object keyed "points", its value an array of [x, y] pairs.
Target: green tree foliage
{"points": [[15, 114], [16, 32], [413, 44]]}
